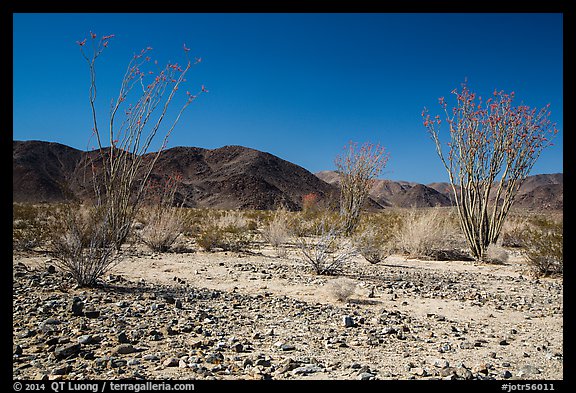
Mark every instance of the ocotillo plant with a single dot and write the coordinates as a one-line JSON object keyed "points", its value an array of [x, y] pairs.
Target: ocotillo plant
{"points": [[493, 147], [120, 172], [358, 167]]}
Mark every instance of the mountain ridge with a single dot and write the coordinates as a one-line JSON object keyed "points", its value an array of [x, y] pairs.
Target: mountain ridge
{"points": [[238, 177]]}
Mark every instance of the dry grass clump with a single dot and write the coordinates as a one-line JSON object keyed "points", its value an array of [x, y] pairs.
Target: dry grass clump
{"points": [[430, 233], [544, 248], [33, 225], [277, 231], [495, 254], [341, 288], [230, 231], [374, 237], [162, 226], [326, 250]]}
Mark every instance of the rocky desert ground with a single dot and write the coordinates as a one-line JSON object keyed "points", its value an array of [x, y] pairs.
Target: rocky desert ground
{"points": [[253, 315]]}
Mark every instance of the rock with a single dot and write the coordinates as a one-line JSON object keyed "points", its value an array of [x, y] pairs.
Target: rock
{"points": [[77, 307], [171, 362], [506, 374], [115, 362], [150, 357], [366, 376], [448, 371], [17, 350], [441, 363], [61, 370], [91, 312], [528, 369], [419, 371], [182, 364], [86, 339], [178, 304], [51, 269], [66, 351], [287, 347], [306, 369], [123, 338], [464, 373], [347, 321], [124, 349], [481, 368]]}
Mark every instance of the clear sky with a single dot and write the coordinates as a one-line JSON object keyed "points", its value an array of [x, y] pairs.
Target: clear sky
{"points": [[299, 86]]}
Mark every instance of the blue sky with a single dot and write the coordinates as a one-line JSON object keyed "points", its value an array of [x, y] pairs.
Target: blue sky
{"points": [[299, 86]]}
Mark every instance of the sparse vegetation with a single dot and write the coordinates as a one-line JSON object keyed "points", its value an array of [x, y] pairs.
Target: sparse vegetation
{"points": [[488, 140], [374, 236], [428, 233], [341, 288], [358, 167], [228, 232], [326, 251], [277, 231], [544, 247]]}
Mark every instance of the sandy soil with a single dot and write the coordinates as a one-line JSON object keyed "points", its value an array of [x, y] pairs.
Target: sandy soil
{"points": [[496, 321]]}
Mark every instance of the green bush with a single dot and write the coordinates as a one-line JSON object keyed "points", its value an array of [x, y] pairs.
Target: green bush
{"points": [[544, 247]]}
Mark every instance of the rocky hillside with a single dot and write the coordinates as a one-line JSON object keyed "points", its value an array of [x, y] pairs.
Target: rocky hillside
{"points": [[544, 191], [236, 177], [232, 177]]}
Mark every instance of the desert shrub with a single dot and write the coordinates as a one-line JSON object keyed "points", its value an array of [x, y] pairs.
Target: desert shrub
{"points": [[277, 231], [495, 254], [513, 232], [81, 244], [341, 288], [374, 237], [326, 250], [164, 221], [544, 248], [228, 232], [429, 233], [31, 225], [163, 226]]}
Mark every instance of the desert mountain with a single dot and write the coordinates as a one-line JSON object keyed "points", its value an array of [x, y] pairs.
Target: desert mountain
{"points": [[236, 177], [538, 192], [231, 177]]}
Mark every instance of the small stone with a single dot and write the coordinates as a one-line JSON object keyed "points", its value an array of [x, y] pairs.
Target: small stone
{"points": [[178, 304], [51, 269], [124, 349], [347, 321], [506, 374], [365, 376], [17, 350], [85, 339], [123, 338], [306, 369], [287, 347], [77, 307], [528, 369], [481, 368], [171, 362], [441, 363], [62, 370], [237, 347], [419, 371], [150, 357], [504, 342], [115, 363], [66, 351], [91, 312], [182, 364]]}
